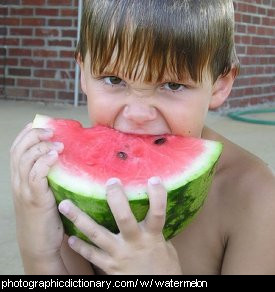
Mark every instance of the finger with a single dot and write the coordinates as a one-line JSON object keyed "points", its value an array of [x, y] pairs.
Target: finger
{"points": [[34, 153], [98, 234], [30, 138], [26, 129], [119, 205], [13, 167], [38, 175], [155, 218], [91, 253]]}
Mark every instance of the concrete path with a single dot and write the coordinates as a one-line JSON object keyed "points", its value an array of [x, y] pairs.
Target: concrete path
{"points": [[258, 139]]}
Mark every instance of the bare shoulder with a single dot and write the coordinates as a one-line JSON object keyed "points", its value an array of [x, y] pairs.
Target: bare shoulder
{"points": [[246, 195]]}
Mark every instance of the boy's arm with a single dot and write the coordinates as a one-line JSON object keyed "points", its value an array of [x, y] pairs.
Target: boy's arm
{"points": [[74, 262], [67, 262], [251, 244]]}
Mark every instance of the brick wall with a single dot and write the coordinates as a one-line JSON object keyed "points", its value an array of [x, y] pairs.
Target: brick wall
{"points": [[255, 44], [37, 50], [38, 38]]}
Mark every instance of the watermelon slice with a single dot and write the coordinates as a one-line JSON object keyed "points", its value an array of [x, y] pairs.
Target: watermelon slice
{"points": [[93, 155]]}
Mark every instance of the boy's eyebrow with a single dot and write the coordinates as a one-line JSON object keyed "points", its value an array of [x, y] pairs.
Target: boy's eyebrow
{"points": [[166, 78]]}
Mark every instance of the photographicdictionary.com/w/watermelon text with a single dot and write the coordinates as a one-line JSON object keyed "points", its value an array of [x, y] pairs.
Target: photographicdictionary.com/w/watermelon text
{"points": [[106, 284]]}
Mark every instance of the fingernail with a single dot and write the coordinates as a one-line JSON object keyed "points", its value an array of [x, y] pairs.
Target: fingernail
{"points": [[113, 181], [58, 145], [64, 207], [52, 153], [154, 180], [71, 240]]}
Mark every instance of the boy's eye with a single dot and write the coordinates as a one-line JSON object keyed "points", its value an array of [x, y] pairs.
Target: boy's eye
{"points": [[173, 86], [112, 80]]}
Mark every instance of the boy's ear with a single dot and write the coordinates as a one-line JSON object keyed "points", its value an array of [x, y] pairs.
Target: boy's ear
{"points": [[222, 88]]}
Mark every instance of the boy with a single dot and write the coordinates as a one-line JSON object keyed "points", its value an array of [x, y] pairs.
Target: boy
{"points": [[151, 67]]}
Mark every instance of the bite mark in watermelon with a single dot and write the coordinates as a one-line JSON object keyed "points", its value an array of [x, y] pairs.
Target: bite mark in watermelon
{"points": [[93, 155]]}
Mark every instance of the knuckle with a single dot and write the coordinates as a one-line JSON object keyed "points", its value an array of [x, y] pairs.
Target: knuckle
{"points": [[33, 176], [75, 218], [111, 266], [123, 217], [42, 148], [159, 215], [93, 234]]}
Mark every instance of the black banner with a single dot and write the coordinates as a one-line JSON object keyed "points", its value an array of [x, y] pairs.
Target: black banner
{"points": [[113, 282]]}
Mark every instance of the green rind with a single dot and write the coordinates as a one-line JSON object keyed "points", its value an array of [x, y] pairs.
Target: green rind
{"points": [[183, 204]]}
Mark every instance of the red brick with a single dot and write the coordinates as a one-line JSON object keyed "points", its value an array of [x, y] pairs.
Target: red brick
{"points": [[45, 73], [9, 42], [256, 20], [262, 11], [33, 42], [3, 11], [32, 63], [58, 64], [21, 31], [60, 22], [253, 50], [8, 61], [56, 84], [41, 32], [60, 2], [67, 74], [251, 29], [61, 43], [19, 52], [67, 54], [255, 40], [17, 92], [68, 12], [266, 31], [19, 72], [34, 2], [21, 11], [33, 21], [9, 21], [46, 11], [45, 53], [28, 82], [44, 94], [65, 95], [246, 39], [7, 81], [71, 33]]}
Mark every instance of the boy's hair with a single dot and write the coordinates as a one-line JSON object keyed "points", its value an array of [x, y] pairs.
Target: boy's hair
{"points": [[151, 38]]}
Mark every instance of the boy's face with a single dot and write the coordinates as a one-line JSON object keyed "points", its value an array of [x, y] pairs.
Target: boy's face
{"points": [[173, 106]]}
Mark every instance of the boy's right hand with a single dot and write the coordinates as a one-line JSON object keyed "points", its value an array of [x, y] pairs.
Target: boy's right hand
{"points": [[39, 228]]}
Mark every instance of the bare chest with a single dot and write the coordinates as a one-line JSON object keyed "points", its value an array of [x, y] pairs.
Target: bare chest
{"points": [[200, 246]]}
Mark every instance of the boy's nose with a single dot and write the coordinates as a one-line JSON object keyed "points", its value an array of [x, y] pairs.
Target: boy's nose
{"points": [[139, 112]]}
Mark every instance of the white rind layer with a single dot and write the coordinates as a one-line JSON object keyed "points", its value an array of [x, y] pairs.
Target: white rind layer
{"points": [[85, 186]]}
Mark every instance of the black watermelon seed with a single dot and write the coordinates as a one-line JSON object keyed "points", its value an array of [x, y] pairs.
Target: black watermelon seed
{"points": [[160, 141], [122, 155]]}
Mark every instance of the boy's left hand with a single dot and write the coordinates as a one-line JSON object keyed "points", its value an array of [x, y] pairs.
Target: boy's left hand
{"points": [[139, 248]]}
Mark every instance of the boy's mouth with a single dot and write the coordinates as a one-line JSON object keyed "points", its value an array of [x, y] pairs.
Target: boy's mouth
{"points": [[142, 131]]}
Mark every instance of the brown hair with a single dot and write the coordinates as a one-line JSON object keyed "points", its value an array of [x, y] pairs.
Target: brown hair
{"points": [[156, 37]]}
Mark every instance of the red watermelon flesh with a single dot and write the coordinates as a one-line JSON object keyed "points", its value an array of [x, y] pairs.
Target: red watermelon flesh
{"points": [[93, 155]]}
